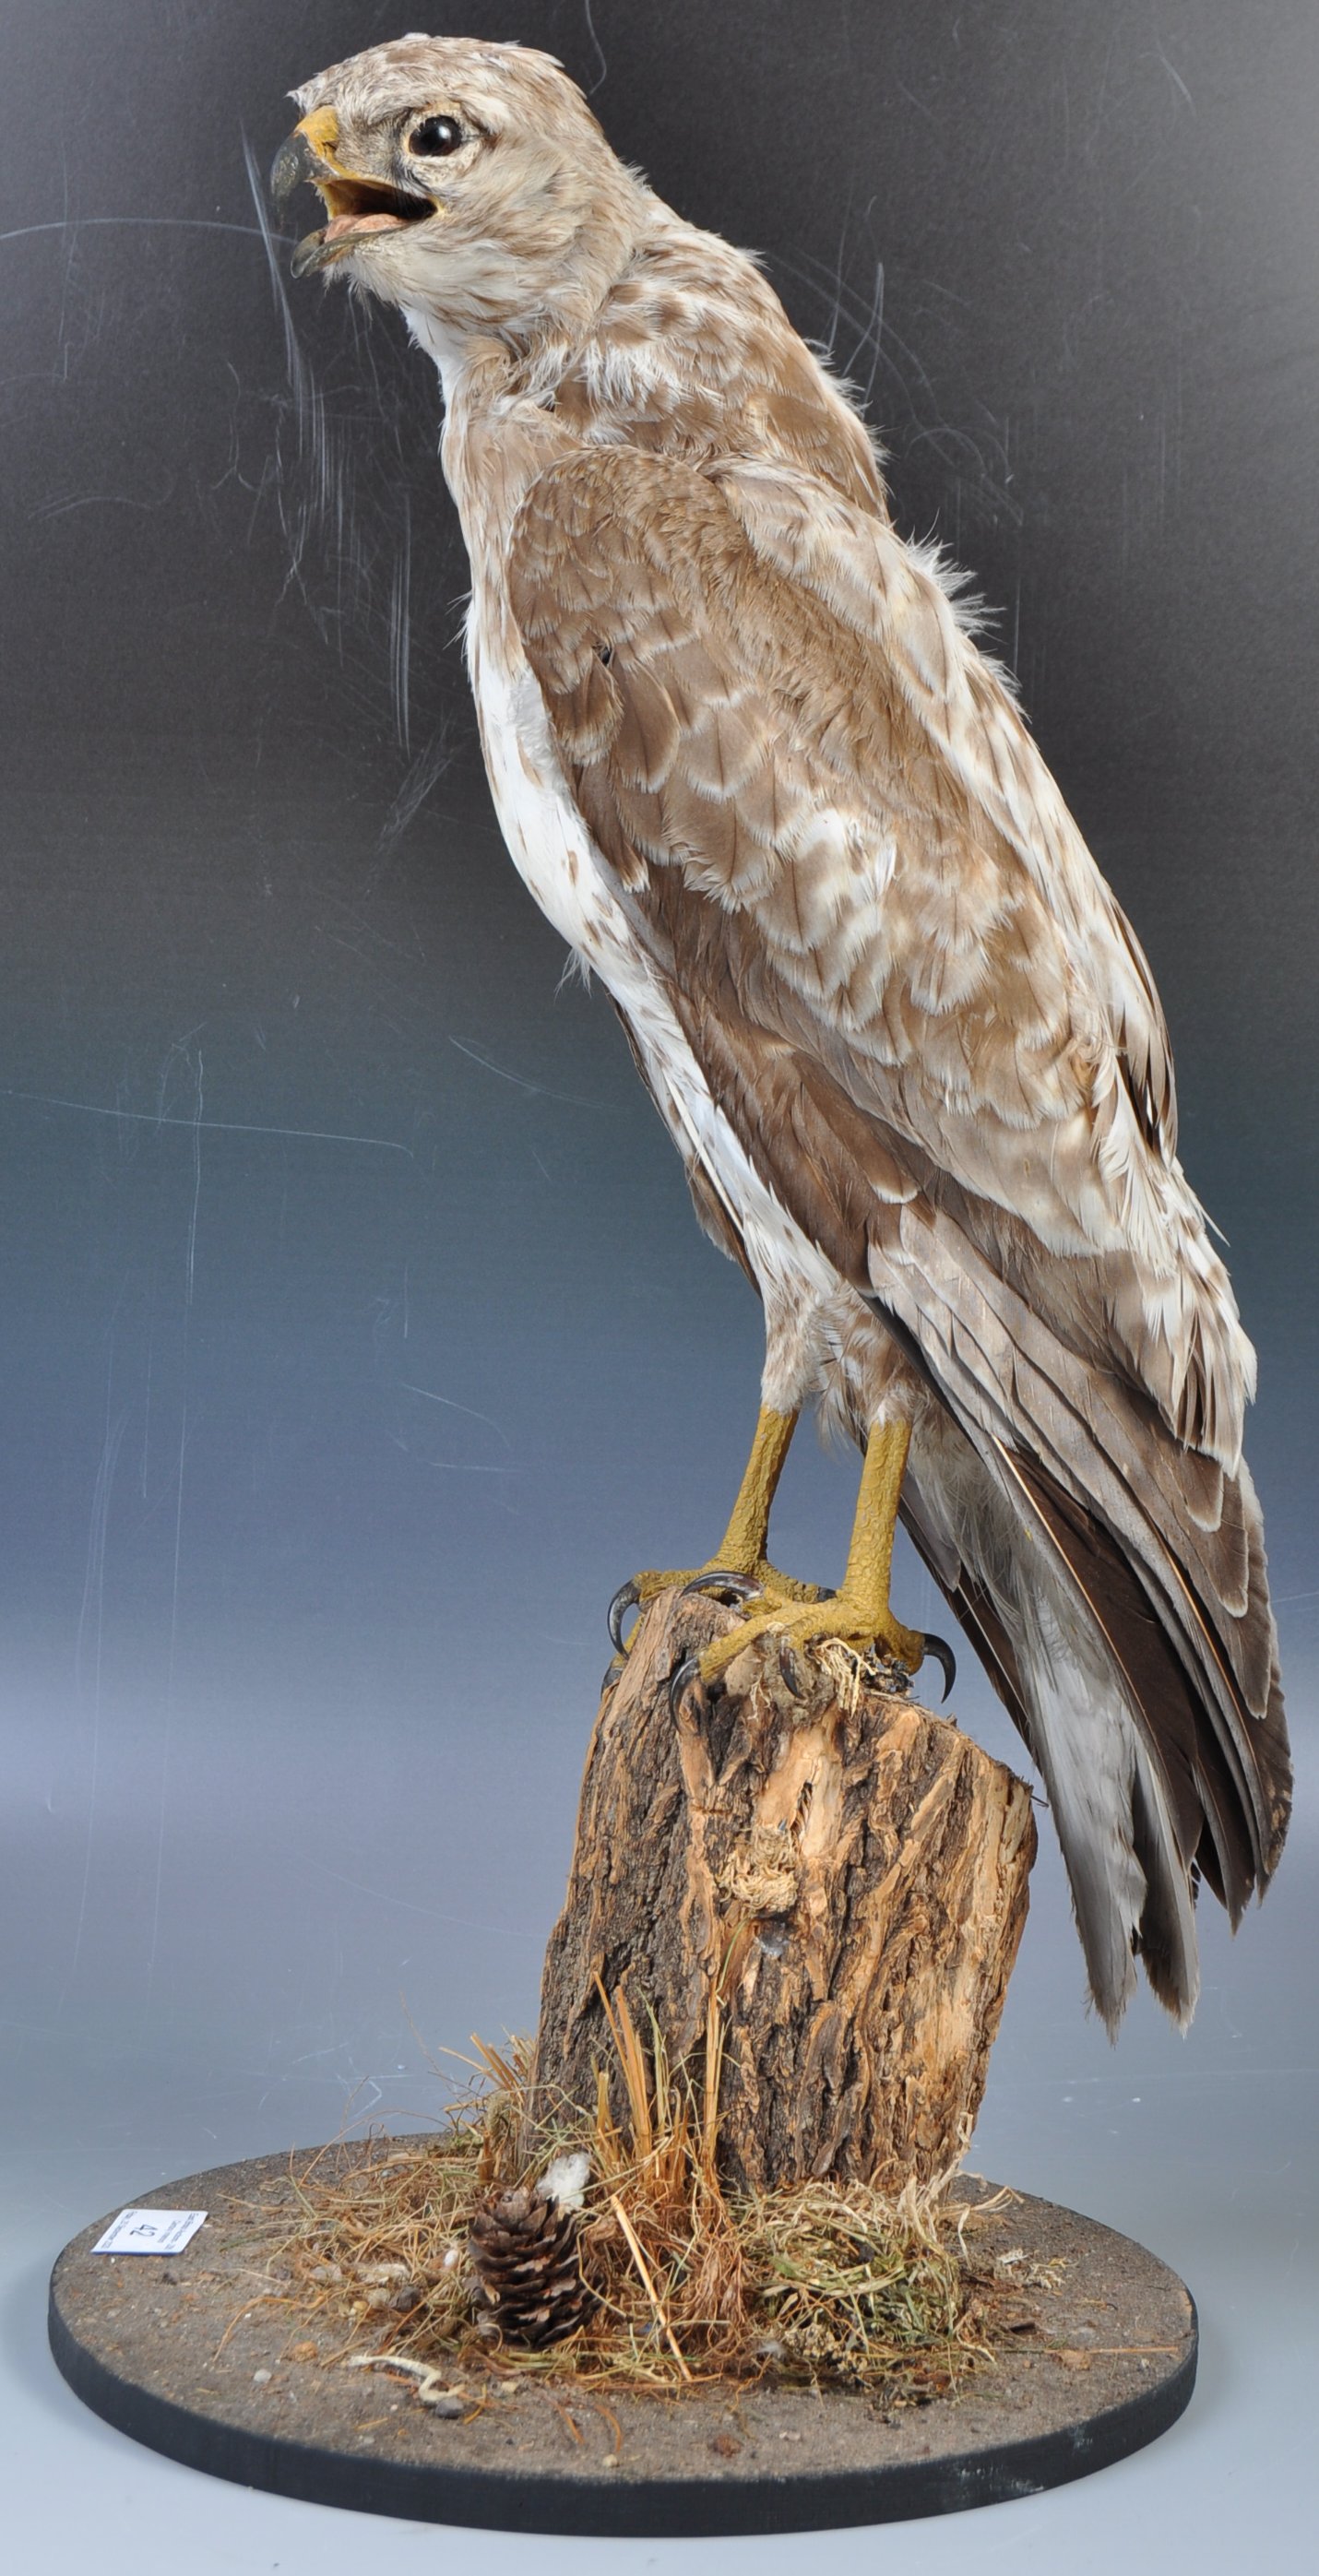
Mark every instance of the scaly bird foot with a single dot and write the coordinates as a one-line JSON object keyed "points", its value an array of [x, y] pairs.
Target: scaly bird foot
{"points": [[764, 1581], [839, 1615], [636, 1593]]}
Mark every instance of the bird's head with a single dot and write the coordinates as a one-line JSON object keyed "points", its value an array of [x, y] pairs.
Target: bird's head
{"points": [[467, 182]]}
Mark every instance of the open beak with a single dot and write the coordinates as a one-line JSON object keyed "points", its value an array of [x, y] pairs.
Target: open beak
{"points": [[357, 207]]}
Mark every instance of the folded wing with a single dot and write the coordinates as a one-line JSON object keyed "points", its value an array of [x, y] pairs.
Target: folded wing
{"points": [[924, 1013]]}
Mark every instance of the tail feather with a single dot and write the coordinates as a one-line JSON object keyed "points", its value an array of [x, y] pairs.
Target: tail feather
{"points": [[973, 1606], [1131, 1591], [1038, 1629], [1206, 1794]]}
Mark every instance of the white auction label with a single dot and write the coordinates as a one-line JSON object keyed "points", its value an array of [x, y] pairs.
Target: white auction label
{"points": [[150, 2231]]}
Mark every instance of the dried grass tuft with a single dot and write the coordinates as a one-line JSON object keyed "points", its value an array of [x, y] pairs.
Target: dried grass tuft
{"points": [[821, 2283]]}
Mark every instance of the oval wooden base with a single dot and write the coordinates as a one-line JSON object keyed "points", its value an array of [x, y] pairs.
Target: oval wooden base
{"points": [[182, 2353]]}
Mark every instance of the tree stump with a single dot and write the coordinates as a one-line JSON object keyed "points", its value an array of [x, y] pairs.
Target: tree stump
{"points": [[847, 1874]]}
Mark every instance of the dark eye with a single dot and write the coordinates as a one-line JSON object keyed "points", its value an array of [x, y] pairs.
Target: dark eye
{"points": [[435, 136]]}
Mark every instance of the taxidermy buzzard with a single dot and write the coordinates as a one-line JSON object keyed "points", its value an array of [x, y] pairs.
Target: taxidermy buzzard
{"points": [[751, 763]]}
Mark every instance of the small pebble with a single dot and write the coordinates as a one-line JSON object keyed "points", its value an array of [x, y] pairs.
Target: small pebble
{"points": [[260, 2377]]}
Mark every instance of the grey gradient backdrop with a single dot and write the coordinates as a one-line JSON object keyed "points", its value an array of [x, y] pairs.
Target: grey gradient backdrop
{"points": [[356, 1334]]}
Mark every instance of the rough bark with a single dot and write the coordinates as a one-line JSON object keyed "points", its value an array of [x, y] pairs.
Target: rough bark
{"points": [[846, 1871]]}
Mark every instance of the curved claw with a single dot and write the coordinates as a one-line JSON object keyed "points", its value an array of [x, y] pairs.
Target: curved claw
{"points": [[722, 1578], [936, 1651], [626, 1598], [680, 1681], [788, 1669], [614, 1671]]}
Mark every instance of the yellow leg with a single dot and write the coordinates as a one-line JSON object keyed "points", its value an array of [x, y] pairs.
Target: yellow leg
{"points": [[859, 1612], [742, 1548]]}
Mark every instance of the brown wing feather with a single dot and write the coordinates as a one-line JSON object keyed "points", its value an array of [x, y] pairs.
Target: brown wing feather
{"points": [[733, 723]]}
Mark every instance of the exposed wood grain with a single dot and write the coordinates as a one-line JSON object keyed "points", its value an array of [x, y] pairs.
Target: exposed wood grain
{"points": [[849, 1871]]}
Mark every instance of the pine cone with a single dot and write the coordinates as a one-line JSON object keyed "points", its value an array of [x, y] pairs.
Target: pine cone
{"points": [[524, 2251]]}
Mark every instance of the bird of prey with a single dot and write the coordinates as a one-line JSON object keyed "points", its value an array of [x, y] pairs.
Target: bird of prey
{"points": [[752, 764]]}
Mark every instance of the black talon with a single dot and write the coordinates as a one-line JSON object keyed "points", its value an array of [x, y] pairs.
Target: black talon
{"points": [[721, 1578], [936, 1651], [680, 1681], [626, 1598], [614, 1671], [788, 1668]]}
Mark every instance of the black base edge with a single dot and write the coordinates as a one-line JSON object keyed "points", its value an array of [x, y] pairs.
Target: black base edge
{"points": [[695, 2508]]}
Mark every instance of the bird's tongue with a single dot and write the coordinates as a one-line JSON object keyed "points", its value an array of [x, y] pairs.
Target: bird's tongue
{"points": [[360, 224]]}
